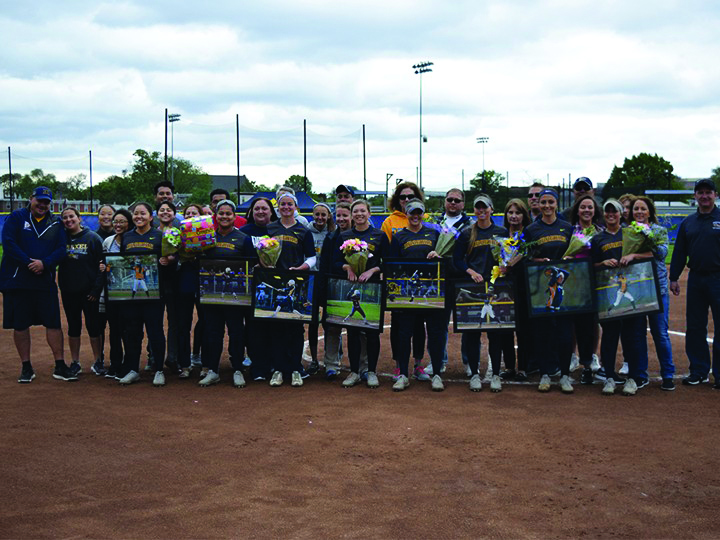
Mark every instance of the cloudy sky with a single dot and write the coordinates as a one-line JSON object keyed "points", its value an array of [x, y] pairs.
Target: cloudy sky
{"points": [[561, 88]]}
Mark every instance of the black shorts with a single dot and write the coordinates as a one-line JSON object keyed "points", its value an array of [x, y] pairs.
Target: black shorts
{"points": [[23, 308]]}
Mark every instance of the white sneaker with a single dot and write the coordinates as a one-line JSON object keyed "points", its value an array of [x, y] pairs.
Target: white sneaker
{"points": [[372, 380], [624, 369], [574, 362], [544, 385], [296, 379], [566, 386], [276, 379], [210, 379], [475, 383], [630, 387], [468, 371], [436, 384], [429, 370], [238, 379], [496, 384], [595, 365], [195, 360], [159, 379], [401, 383], [351, 380], [609, 388], [184, 373], [131, 377]]}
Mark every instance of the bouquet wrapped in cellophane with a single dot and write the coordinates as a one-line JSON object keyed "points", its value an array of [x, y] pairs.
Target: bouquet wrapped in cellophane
{"points": [[268, 250], [446, 239], [171, 241], [639, 238], [505, 250], [580, 241], [356, 254]]}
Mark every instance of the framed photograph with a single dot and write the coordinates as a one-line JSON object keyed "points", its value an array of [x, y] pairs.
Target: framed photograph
{"points": [[414, 283], [482, 306], [560, 287], [132, 277], [628, 291], [226, 282], [284, 295], [354, 304]]}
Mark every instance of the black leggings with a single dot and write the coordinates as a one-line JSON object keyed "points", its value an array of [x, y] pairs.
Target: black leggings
{"points": [[77, 304], [134, 316], [354, 346]]}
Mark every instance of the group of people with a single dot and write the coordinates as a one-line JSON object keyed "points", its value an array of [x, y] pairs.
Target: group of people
{"points": [[35, 242]]}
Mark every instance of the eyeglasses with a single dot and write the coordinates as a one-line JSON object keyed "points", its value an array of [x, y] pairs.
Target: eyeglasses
{"points": [[534, 195], [406, 197], [453, 200], [123, 222]]}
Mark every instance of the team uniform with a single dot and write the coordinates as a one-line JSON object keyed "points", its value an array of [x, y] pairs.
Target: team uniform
{"points": [[113, 316]]}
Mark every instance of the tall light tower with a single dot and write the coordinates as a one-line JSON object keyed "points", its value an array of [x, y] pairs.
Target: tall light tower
{"points": [[483, 140], [422, 67], [172, 118]]}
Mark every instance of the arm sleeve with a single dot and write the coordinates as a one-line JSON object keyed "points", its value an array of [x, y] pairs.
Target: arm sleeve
{"points": [[679, 256], [661, 249], [395, 248], [9, 241], [97, 257], [458, 258], [59, 251], [387, 228]]}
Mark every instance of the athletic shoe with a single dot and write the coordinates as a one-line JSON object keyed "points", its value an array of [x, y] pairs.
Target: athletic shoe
{"points": [[507, 375], [595, 365], [204, 372], [111, 373], [521, 376], [276, 379], [437, 384], [98, 368], [443, 368], [75, 368], [574, 362], [296, 379], [303, 375], [131, 377], [330, 374], [566, 386], [63, 373], [586, 377], [351, 380], [184, 373], [209, 379], [694, 379], [372, 380], [420, 374], [556, 373], [396, 373], [544, 385], [149, 366], [496, 384], [195, 360], [401, 383], [600, 375], [468, 371], [608, 388], [667, 384], [260, 378], [26, 375], [428, 370], [364, 376], [625, 369], [630, 388], [159, 379], [313, 367], [475, 383], [642, 383], [247, 362]]}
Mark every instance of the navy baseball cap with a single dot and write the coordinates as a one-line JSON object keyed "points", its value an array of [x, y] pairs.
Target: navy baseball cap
{"points": [[583, 180], [42, 193], [705, 183], [342, 188]]}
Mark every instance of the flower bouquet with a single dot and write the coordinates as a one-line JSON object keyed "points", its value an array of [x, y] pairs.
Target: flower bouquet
{"points": [[356, 254], [171, 241], [446, 239], [506, 249], [580, 242], [639, 238], [268, 250]]}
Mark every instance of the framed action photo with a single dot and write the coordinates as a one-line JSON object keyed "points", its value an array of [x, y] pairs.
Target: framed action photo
{"points": [[354, 304], [560, 287], [132, 277], [624, 292], [284, 295], [414, 283], [483, 306], [226, 282]]}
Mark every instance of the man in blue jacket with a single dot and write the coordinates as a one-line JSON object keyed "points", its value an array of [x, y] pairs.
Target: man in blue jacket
{"points": [[33, 245]]}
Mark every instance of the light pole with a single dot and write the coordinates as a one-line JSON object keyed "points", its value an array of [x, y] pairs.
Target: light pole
{"points": [[422, 67], [172, 118], [483, 140]]}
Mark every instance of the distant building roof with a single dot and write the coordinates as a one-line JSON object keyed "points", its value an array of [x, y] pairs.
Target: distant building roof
{"points": [[229, 182]]}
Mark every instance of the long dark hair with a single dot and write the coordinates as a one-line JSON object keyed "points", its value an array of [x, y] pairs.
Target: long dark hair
{"points": [[249, 215], [575, 211], [394, 203], [652, 214]]}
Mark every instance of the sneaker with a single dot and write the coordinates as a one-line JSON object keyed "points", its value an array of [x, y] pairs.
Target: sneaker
{"points": [[238, 379], [586, 377], [642, 383], [247, 362], [556, 373], [372, 380], [63, 373], [468, 371], [443, 368], [26, 375], [149, 367], [209, 379], [420, 374], [437, 384], [98, 368], [401, 383], [625, 369], [159, 379], [131, 377], [600, 374], [195, 360], [296, 379], [608, 388], [595, 364], [694, 379], [351, 380], [303, 375], [276, 379], [184, 373], [259, 378], [396, 373], [313, 367], [667, 384], [330, 374], [75, 368], [507, 375], [566, 386], [428, 370], [363, 376], [475, 383], [496, 384], [204, 372], [630, 388], [574, 362], [111, 373], [521, 376], [544, 385]]}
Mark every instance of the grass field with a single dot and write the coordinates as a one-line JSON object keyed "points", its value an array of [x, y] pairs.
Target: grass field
{"points": [[342, 308]]}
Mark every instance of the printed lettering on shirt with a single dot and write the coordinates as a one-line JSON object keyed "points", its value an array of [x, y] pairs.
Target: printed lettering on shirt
{"points": [[484, 242], [287, 238], [75, 250], [611, 245], [421, 242], [551, 238], [140, 245], [226, 245]]}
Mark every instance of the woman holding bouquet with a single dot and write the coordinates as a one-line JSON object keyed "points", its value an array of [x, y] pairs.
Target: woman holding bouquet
{"points": [[297, 253], [473, 255], [362, 268], [166, 212], [553, 335]]}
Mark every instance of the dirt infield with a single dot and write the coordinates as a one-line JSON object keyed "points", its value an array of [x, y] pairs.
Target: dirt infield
{"points": [[93, 459]]}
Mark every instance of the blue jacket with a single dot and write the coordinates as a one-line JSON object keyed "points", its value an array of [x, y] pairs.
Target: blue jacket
{"points": [[24, 238]]}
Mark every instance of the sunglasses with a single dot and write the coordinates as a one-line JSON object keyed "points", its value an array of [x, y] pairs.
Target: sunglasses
{"points": [[534, 195], [406, 197], [582, 188], [453, 200]]}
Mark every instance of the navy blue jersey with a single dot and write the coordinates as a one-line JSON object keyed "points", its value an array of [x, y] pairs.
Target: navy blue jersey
{"points": [[296, 241], [377, 242], [479, 256], [134, 242], [605, 246], [79, 271], [552, 240], [234, 244], [414, 245]]}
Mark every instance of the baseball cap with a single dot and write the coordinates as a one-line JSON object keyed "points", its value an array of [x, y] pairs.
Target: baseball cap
{"points": [[583, 180], [414, 204], [487, 201], [42, 193], [703, 183], [342, 188], [615, 204]]}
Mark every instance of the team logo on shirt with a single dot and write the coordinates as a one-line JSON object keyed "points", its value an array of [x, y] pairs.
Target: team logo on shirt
{"points": [[26, 226], [716, 225]]}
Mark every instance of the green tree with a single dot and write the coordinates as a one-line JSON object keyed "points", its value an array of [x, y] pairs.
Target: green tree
{"points": [[641, 173], [297, 182], [715, 176], [494, 186]]}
